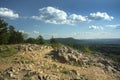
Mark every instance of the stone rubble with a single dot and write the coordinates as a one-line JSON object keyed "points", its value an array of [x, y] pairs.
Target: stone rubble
{"points": [[37, 70], [68, 55]]}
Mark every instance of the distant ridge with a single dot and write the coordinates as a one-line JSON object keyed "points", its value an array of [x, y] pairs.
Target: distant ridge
{"points": [[88, 41]]}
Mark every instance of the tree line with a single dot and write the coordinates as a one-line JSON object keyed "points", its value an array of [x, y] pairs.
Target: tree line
{"points": [[8, 35]]}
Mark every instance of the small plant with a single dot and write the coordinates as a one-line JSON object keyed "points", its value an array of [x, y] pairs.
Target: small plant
{"points": [[88, 50], [54, 66], [64, 70], [26, 60], [7, 50]]}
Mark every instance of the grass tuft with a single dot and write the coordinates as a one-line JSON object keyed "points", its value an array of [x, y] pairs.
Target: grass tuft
{"points": [[7, 50]]}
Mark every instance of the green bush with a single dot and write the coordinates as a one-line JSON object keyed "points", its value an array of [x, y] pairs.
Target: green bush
{"points": [[88, 50], [7, 50], [64, 70]]}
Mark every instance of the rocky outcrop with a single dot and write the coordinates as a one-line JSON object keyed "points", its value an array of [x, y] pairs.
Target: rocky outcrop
{"points": [[41, 62], [24, 74], [31, 47], [65, 54], [71, 56]]}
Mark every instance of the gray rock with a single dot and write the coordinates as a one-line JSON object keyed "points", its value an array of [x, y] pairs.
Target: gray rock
{"points": [[72, 58]]}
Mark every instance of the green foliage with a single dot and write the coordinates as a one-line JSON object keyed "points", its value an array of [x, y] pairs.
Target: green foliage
{"points": [[15, 36], [111, 51], [71, 44], [31, 40], [112, 56], [3, 32], [88, 50], [107, 48], [83, 48], [64, 70], [55, 45], [9, 36], [7, 50], [53, 41], [40, 40]]}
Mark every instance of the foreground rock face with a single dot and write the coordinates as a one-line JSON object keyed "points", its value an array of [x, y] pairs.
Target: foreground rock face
{"points": [[24, 74], [65, 54], [31, 47], [41, 62], [68, 55]]}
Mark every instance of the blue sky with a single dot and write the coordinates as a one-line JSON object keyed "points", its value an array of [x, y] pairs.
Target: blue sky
{"points": [[80, 19]]}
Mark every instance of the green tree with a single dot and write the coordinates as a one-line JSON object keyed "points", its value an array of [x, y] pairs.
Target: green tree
{"points": [[40, 40], [53, 41], [19, 37], [71, 44], [15, 36], [31, 40], [3, 32]]}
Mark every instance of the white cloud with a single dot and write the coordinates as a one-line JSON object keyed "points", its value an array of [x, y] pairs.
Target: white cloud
{"points": [[117, 26], [35, 32], [100, 16], [52, 15], [8, 13], [93, 27], [57, 16], [22, 31], [77, 18]]}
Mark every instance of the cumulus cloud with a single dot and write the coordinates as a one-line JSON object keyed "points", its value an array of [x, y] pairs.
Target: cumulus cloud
{"points": [[117, 26], [100, 16], [52, 15], [93, 27], [35, 32], [57, 16], [24, 32], [77, 18], [8, 13]]}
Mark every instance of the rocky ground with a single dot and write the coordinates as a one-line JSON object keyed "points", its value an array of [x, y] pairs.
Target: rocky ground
{"points": [[42, 62]]}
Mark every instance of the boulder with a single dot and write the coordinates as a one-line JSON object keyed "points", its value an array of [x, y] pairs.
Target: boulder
{"points": [[72, 58]]}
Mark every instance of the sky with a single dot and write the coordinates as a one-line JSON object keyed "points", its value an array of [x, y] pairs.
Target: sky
{"points": [[80, 19]]}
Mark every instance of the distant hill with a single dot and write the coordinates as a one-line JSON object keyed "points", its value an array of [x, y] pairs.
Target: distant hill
{"points": [[88, 41], [109, 46]]}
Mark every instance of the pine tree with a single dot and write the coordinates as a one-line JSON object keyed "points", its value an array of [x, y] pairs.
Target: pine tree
{"points": [[53, 41], [15, 36], [40, 40], [3, 32]]}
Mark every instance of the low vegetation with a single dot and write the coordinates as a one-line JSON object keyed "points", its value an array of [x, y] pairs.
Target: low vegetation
{"points": [[7, 50], [64, 70], [111, 51]]}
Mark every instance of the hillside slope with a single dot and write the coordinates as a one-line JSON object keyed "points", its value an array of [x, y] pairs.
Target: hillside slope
{"points": [[41, 62]]}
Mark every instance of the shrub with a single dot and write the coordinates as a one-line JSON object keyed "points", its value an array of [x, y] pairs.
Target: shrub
{"points": [[7, 50], [64, 70]]}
